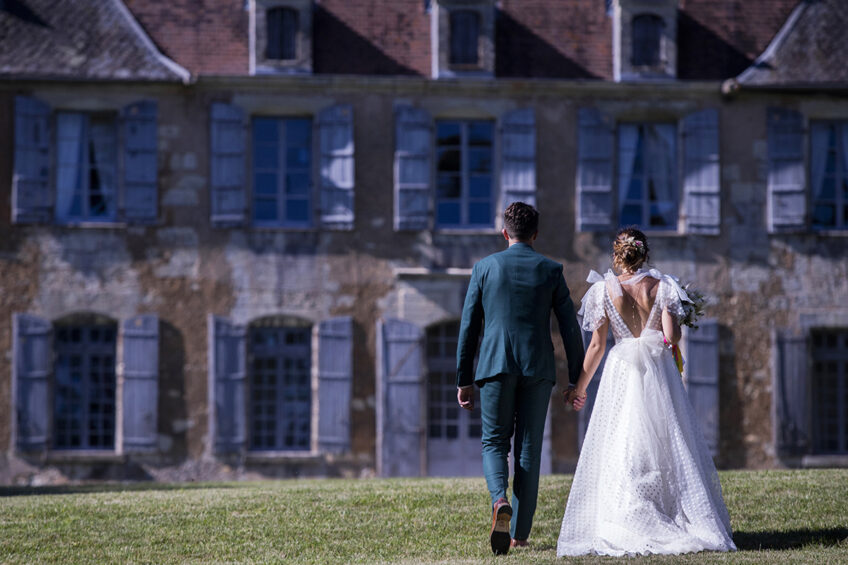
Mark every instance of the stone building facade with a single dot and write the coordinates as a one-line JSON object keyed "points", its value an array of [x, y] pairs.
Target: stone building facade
{"points": [[222, 259]]}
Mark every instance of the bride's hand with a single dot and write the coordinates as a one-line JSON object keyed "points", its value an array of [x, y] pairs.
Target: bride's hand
{"points": [[578, 400]]}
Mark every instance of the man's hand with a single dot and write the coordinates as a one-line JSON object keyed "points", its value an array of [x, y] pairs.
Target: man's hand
{"points": [[465, 397]]}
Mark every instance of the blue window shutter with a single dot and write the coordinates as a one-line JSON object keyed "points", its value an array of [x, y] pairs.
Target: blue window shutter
{"points": [[400, 399], [140, 162], [518, 167], [335, 384], [790, 389], [32, 367], [787, 197], [32, 199], [227, 162], [413, 168], [595, 142], [592, 391], [140, 344], [335, 127], [701, 370], [701, 172], [227, 383]]}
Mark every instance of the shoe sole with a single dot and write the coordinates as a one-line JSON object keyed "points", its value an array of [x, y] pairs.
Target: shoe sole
{"points": [[500, 538]]}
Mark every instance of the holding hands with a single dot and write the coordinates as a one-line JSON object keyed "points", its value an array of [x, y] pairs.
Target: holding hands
{"points": [[577, 399]]}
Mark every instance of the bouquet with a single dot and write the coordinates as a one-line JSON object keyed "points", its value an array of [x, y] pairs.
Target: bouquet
{"points": [[694, 307]]}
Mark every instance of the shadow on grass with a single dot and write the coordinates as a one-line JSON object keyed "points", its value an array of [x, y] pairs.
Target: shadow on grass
{"points": [[105, 487], [790, 539]]}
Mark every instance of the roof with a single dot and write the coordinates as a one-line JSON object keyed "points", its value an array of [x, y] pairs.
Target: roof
{"points": [[810, 50], [79, 39]]}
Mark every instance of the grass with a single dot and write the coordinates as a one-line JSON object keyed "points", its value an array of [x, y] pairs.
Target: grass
{"points": [[778, 517]]}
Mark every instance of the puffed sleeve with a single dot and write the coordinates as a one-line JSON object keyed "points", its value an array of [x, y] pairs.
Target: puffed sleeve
{"points": [[592, 307], [671, 296]]}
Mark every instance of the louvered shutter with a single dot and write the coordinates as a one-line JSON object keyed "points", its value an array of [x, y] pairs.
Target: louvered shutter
{"points": [[335, 127], [787, 198], [227, 383], [140, 162], [32, 367], [595, 144], [400, 396], [790, 389], [32, 199], [701, 172], [592, 390], [227, 132], [518, 168], [141, 382], [335, 384], [701, 370], [413, 174]]}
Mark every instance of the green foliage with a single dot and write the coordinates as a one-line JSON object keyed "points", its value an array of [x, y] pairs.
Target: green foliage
{"points": [[778, 517]]}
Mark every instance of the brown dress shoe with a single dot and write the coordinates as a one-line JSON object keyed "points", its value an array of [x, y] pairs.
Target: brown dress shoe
{"points": [[499, 538], [519, 543]]}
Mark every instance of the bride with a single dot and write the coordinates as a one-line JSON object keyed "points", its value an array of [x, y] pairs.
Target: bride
{"points": [[645, 482]]}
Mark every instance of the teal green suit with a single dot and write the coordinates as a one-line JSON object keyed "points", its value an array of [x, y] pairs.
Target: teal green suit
{"points": [[510, 297]]}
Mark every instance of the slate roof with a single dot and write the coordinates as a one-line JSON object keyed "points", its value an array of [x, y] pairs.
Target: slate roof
{"points": [[78, 39], [811, 50]]}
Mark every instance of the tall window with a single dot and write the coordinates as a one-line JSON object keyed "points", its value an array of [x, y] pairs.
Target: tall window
{"points": [[464, 174], [86, 173], [84, 393], [281, 33], [647, 169], [282, 166], [829, 174], [647, 33], [830, 391], [280, 405], [464, 37]]}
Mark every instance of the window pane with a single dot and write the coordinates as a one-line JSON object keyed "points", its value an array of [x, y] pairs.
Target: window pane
{"points": [[281, 33], [480, 133], [479, 213], [265, 130], [448, 214], [450, 186], [265, 156], [265, 210], [449, 160], [824, 215], [480, 186], [464, 37], [297, 157], [647, 30], [448, 133], [297, 183], [265, 183], [631, 214], [299, 132], [297, 211], [480, 160]]}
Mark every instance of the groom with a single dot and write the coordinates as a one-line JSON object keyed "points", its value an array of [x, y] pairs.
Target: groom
{"points": [[513, 293]]}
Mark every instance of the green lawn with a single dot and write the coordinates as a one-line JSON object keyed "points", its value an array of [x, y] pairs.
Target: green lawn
{"points": [[778, 517]]}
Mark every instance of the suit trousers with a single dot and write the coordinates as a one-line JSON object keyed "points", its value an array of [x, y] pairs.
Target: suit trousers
{"points": [[514, 404]]}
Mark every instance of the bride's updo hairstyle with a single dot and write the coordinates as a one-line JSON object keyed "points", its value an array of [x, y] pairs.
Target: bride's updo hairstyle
{"points": [[629, 250]]}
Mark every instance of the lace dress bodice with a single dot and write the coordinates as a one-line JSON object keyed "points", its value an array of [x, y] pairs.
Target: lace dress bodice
{"points": [[598, 303]]}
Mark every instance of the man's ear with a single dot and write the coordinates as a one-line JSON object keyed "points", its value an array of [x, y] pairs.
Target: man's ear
{"points": [[505, 234], [535, 234]]}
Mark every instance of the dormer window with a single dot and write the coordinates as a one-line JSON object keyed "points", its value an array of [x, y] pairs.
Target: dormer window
{"points": [[644, 39], [464, 37], [281, 36], [281, 33], [647, 32]]}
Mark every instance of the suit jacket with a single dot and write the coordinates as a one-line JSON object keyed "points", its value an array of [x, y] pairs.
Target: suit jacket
{"points": [[512, 293]]}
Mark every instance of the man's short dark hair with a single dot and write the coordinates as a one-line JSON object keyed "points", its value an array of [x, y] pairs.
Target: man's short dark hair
{"points": [[521, 221]]}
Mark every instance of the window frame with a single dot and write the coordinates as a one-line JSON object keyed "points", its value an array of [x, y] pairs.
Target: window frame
{"points": [[280, 12], [655, 24], [465, 174], [281, 194], [113, 218], [674, 226], [455, 18], [85, 325], [840, 177], [259, 61], [821, 353]]}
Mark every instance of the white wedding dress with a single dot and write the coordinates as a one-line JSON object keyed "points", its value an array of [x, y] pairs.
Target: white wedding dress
{"points": [[645, 482]]}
